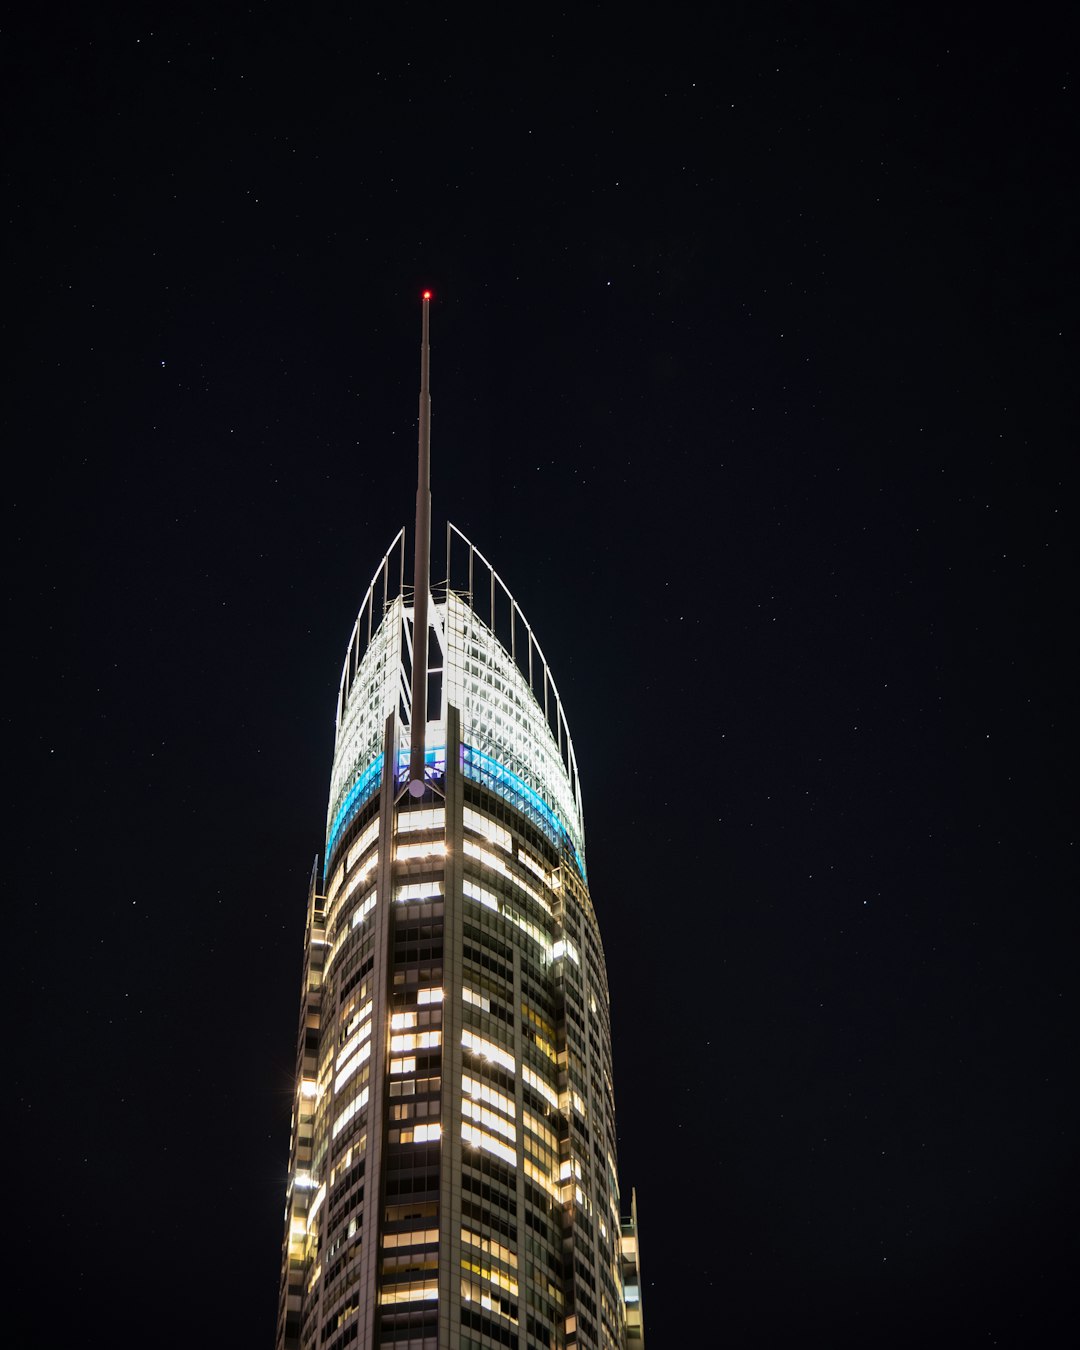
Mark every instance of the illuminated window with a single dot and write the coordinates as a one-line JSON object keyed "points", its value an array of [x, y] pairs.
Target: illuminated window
{"points": [[433, 848], [414, 1292], [541, 1130], [418, 1238], [492, 901], [351, 1067], [416, 1134], [542, 1177], [416, 1040], [367, 837], [489, 1246], [499, 1278], [472, 1134], [477, 1000], [418, 890], [488, 859], [544, 1088], [357, 1017], [492, 832], [564, 947], [484, 1092], [473, 1111], [537, 869], [488, 1050], [432, 818], [357, 1104], [335, 886]]}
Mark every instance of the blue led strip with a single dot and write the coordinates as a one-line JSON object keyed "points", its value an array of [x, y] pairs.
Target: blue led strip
{"points": [[361, 791], [490, 773]]}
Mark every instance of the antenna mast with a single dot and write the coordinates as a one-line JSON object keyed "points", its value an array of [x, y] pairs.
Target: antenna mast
{"points": [[421, 571]]}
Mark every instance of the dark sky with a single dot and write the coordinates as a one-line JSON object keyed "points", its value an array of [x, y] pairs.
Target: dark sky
{"points": [[752, 351]]}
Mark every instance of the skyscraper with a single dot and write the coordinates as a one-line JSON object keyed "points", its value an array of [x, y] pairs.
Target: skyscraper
{"points": [[453, 1177]]}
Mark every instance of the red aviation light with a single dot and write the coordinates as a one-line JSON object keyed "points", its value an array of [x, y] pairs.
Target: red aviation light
{"points": [[425, 295]]}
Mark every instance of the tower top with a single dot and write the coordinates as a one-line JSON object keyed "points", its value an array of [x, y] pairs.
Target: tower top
{"points": [[421, 566]]}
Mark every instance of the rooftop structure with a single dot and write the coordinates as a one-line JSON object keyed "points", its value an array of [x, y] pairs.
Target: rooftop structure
{"points": [[453, 1177]]}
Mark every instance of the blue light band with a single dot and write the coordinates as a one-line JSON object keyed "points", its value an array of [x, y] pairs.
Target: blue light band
{"points": [[491, 774], [475, 765], [361, 791]]}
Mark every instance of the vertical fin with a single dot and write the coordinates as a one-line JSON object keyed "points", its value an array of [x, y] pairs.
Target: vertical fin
{"points": [[421, 570]]}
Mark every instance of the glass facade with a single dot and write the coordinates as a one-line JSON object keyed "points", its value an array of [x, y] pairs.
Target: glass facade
{"points": [[453, 1177]]}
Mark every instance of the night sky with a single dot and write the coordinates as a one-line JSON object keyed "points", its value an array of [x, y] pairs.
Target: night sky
{"points": [[752, 349]]}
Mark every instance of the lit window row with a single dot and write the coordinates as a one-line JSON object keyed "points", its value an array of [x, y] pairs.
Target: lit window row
{"points": [[352, 1066], [415, 1292], [541, 1155], [499, 1278], [415, 1040], [537, 869], [405, 1065], [359, 877], [542, 1177], [488, 1050], [545, 1047], [486, 897], [489, 1247], [488, 859], [358, 1017], [367, 837], [492, 832], [531, 1015], [335, 886], [425, 996], [472, 1134], [316, 1205], [480, 1001], [357, 919], [430, 818], [418, 890], [363, 911], [541, 1130], [357, 1104], [544, 1088], [416, 1134], [483, 1116], [418, 1238], [484, 1092], [431, 848], [476, 1293], [358, 1037]]}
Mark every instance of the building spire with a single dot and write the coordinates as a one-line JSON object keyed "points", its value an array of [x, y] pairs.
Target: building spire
{"points": [[421, 570]]}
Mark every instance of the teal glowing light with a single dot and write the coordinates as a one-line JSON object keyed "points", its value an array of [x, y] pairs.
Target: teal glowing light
{"points": [[361, 791], [491, 774], [476, 765]]}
